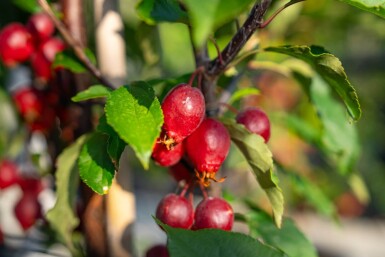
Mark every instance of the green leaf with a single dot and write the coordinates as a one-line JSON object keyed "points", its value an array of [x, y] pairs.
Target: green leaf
{"points": [[152, 11], [260, 160], [215, 243], [135, 114], [239, 94], [115, 145], [95, 167], [62, 216], [95, 91], [374, 6], [206, 16], [68, 60], [27, 5], [288, 238], [340, 138], [330, 69]]}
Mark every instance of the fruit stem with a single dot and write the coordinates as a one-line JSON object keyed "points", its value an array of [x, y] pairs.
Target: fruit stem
{"points": [[219, 54], [204, 192], [198, 71]]}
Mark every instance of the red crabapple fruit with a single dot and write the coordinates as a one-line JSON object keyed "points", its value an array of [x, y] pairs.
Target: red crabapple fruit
{"points": [[180, 172], [256, 121], [208, 146], [213, 212], [184, 109], [175, 211], [27, 210], [16, 44], [167, 156], [40, 26], [8, 174], [157, 251]]}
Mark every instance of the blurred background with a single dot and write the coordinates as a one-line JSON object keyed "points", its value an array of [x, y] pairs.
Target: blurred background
{"points": [[316, 188]]}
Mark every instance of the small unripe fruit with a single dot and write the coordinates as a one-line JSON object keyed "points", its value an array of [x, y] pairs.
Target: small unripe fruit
{"points": [[183, 109], [167, 156], [208, 146], [8, 174], [213, 212], [16, 44], [175, 211], [40, 26], [256, 121]]}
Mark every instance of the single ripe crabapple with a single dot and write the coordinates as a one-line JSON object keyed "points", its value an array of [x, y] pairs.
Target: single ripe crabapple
{"points": [[183, 109], [175, 211], [213, 212], [165, 155], [207, 147], [8, 174], [29, 103], [157, 251], [256, 121], [40, 26], [27, 210], [16, 44]]}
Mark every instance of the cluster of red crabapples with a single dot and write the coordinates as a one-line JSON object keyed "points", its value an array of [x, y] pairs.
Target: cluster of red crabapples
{"points": [[27, 209], [28, 52], [191, 141]]}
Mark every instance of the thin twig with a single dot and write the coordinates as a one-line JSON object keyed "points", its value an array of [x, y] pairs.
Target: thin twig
{"points": [[77, 47], [267, 22], [252, 23]]}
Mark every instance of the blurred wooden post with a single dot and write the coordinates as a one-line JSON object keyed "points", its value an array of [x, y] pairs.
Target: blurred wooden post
{"points": [[112, 62]]}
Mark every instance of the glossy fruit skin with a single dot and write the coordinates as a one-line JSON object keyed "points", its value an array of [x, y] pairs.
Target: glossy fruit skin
{"points": [[183, 109], [27, 211], [40, 26], [180, 172], [157, 251], [167, 157], [256, 121], [8, 174], [208, 146], [16, 44], [213, 212], [175, 211], [42, 59], [29, 103]]}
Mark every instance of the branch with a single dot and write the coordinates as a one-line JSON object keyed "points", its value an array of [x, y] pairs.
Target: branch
{"points": [[77, 47], [252, 23]]}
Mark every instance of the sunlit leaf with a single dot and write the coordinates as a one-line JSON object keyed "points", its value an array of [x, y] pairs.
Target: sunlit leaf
{"points": [[135, 114], [374, 6]]}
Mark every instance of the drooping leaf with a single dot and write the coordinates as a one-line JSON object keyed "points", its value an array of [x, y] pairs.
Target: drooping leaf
{"points": [[135, 114], [206, 16], [68, 60], [239, 94], [95, 166], [330, 69], [62, 216], [95, 91], [374, 6], [339, 138], [152, 11], [115, 145], [288, 238], [215, 243], [259, 158]]}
